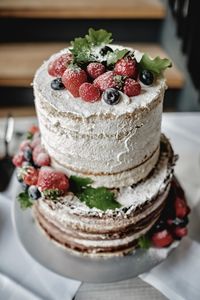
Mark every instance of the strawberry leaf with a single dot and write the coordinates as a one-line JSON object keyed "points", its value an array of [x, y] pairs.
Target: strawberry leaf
{"points": [[156, 65], [98, 37], [114, 56], [78, 184], [24, 200]]}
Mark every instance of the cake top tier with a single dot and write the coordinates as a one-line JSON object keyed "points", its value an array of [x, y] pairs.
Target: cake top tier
{"points": [[93, 77]]}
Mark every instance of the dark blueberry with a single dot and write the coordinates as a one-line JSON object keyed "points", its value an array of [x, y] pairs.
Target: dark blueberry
{"points": [[159, 226], [57, 84], [24, 186], [146, 77], [33, 192], [111, 96], [28, 154], [177, 222], [19, 175], [105, 50]]}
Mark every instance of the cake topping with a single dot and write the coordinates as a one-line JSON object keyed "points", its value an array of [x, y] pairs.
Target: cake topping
{"points": [[89, 92], [111, 96], [57, 84], [91, 60]]}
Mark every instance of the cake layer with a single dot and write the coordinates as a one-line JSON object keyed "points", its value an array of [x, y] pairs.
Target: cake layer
{"points": [[92, 231], [116, 145]]}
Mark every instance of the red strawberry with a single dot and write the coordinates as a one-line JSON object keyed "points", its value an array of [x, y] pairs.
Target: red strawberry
{"points": [[180, 232], [95, 69], [18, 159], [89, 92], [126, 67], [42, 159], [181, 208], [105, 81], [131, 87], [50, 179], [36, 151], [59, 65], [73, 78], [24, 145], [33, 129], [30, 175], [162, 239]]}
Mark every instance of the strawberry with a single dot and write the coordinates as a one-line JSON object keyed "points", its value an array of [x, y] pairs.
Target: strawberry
{"points": [[89, 92], [24, 144], [72, 79], [95, 69], [180, 232], [126, 67], [18, 159], [36, 151], [42, 159], [105, 81], [50, 179], [131, 87], [30, 175], [162, 239], [59, 65], [33, 129], [181, 208]]}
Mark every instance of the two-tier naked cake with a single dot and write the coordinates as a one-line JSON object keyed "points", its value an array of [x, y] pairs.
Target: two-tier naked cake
{"points": [[99, 173]]}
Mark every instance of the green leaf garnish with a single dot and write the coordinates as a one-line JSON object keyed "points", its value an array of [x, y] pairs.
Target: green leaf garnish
{"points": [[29, 135], [144, 242], [101, 197], [24, 200], [156, 65], [52, 194], [78, 184], [81, 50], [98, 37], [114, 56]]}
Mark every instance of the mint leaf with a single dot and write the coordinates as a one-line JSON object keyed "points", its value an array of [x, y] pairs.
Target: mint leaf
{"points": [[114, 56], [78, 184], [24, 200], [52, 194], [101, 198], [156, 65], [144, 242], [80, 50], [98, 37]]}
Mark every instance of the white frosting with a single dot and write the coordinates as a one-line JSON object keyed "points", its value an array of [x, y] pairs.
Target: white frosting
{"points": [[115, 145]]}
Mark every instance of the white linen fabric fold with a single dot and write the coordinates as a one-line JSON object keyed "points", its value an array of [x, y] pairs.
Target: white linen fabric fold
{"points": [[178, 277], [20, 276]]}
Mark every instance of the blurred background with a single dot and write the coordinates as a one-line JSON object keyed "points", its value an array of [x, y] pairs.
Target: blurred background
{"points": [[34, 29]]}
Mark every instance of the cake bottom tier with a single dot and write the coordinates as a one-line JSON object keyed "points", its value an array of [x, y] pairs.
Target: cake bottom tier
{"points": [[90, 231]]}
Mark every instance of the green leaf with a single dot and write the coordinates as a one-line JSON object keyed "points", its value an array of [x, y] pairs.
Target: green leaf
{"points": [[101, 198], [29, 135], [24, 200], [156, 65], [80, 50], [77, 184], [98, 37], [114, 56], [144, 242]]}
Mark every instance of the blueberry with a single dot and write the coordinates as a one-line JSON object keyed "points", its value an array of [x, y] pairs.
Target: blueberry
{"points": [[57, 84], [24, 186], [177, 222], [28, 154], [33, 192], [19, 175], [159, 226], [111, 96], [146, 77], [105, 50]]}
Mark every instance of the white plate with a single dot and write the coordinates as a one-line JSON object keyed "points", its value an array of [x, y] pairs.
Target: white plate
{"points": [[60, 261]]}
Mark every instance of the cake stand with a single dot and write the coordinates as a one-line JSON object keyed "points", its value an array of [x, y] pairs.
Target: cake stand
{"points": [[95, 270]]}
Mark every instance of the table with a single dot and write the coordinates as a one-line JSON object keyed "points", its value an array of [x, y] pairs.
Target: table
{"points": [[183, 129]]}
